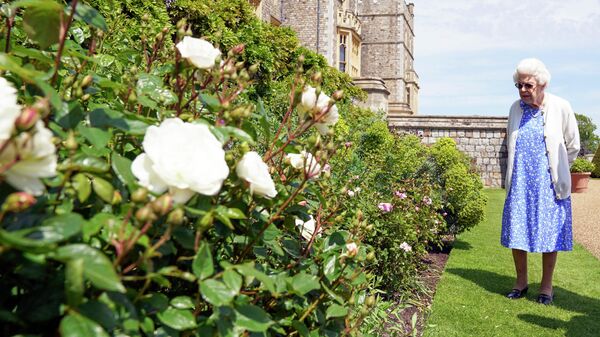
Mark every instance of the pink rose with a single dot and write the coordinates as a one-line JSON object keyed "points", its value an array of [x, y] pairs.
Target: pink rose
{"points": [[385, 207]]}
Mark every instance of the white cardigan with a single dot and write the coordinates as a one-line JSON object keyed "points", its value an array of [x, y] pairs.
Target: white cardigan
{"points": [[561, 137]]}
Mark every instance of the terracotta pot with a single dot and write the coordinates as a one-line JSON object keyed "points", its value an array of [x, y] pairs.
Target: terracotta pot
{"points": [[579, 181]]}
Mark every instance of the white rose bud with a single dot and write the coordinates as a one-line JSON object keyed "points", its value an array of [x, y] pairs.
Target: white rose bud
{"points": [[306, 161], [321, 104], [252, 169], [199, 52], [352, 249]]}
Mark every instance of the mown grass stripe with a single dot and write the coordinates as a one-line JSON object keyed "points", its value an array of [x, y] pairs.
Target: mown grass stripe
{"points": [[470, 301]]}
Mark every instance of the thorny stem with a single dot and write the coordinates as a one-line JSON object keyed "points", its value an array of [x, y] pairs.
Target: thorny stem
{"points": [[286, 117], [64, 29], [9, 25], [131, 242]]}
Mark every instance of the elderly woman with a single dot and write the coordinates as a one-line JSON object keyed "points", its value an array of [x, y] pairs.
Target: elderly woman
{"points": [[543, 141]]}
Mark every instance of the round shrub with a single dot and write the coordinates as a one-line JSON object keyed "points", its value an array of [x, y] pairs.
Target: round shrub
{"points": [[463, 189], [596, 162]]}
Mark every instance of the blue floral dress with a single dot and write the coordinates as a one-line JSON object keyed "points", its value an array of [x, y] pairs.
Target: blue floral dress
{"points": [[533, 219]]}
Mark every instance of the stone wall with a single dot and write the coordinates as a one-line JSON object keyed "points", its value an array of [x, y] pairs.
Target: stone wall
{"points": [[483, 139]]}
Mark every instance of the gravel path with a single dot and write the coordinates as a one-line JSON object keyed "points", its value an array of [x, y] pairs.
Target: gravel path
{"points": [[586, 217]]}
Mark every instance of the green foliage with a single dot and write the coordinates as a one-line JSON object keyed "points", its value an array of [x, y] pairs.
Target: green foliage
{"points": [[582, 165], [463, 189], [596, 162], [97, 254], [589, 140]]}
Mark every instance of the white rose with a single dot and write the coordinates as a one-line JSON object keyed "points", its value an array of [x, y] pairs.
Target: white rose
{"points": [[307, 229], [330, 119], [199, 52], [182, 157], [252, 169], [9, 109], [36, 159], [309, 101], [306, 161], [406, 247]]}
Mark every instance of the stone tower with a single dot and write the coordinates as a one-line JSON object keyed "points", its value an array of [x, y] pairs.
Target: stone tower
{"points": [[371, 40]]}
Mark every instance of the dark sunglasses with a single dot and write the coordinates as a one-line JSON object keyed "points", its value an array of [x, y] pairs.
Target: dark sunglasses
{"points": [[527, 86]]}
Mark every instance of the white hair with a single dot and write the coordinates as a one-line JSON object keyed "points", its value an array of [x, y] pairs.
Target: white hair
{"points": [[533, 67]]}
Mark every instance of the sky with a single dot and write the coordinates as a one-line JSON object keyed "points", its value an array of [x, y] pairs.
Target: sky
{"points": [[466, 52]]}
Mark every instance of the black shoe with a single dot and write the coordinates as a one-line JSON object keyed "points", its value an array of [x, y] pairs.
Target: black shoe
{"points": [[516, 293], [545, 299]]}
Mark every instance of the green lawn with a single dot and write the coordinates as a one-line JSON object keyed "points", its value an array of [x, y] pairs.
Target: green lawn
{"points": [[470, 301]]}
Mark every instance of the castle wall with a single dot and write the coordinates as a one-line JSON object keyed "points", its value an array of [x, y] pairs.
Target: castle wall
{"points": [[483, 139]]}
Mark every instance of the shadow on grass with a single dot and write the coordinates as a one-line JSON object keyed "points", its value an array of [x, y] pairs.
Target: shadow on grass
{"points": [[461, 245], [586, 324]]}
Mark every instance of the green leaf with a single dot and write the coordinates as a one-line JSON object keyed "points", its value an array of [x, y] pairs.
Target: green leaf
{"points": [[233, 280], [336, 310], [302, 283], [264, 121], [82, 185], [99, 312], [248, 270], [224, 219], [102, 117], [104, 60], [122, 167], [84, 163], [252, 318], [103, 189], [153, 303], [216, 292], [332, 267], [74, 282], [182, 302], [76, 325], [68, 115], [50, 92], [78, 35], [153, 87], [301, 328], [177, 319], [45, 237], [98, 269], [203, 266], [90, 16], [41, 21], [230, 213], [333, 295], [99, 221], [97, 137], [239, 134], [29, 75], [211, 102]]}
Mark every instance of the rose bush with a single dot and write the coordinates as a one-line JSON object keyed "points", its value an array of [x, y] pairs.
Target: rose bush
{"points": [[170, 203]]}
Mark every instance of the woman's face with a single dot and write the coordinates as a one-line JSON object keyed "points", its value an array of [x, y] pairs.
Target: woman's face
{"points": [[531, 92]]}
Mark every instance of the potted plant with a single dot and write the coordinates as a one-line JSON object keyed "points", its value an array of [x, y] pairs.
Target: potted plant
{"points": [[580, 175]]}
